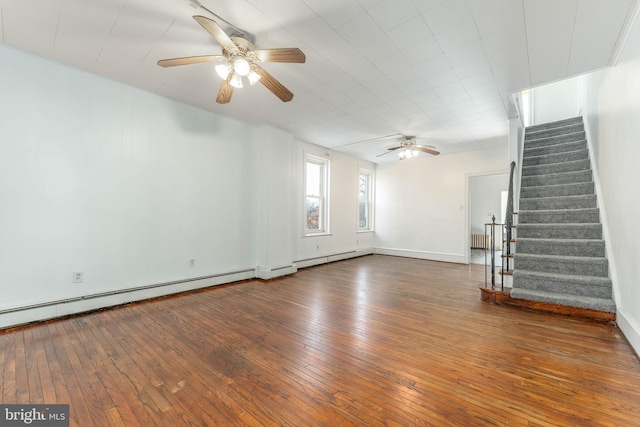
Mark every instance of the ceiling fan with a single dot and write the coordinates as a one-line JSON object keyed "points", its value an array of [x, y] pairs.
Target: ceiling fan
{"points": [[409, 148], [240, 59]]}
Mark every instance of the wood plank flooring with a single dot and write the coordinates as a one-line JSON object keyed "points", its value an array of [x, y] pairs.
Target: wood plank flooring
{"points": [[371, 341]]}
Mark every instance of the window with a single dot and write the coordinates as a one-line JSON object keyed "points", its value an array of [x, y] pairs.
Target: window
{"points": [[365, 187], [316, 182]]}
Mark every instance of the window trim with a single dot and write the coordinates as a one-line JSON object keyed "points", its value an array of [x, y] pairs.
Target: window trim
{"points": [[369, 203], [323, 198]]}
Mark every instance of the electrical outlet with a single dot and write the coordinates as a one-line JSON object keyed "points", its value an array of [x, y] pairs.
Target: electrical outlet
{"points": [[78, 276], [192, 263]]}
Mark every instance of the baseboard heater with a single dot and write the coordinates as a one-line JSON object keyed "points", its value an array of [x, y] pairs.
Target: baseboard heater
{"points": [[119, 291], [480, 241], [310, 262]]}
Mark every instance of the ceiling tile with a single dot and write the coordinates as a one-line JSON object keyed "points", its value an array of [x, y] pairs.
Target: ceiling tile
{"points": [[457, 36], [379, 48], [392, 13], [360, 30], [100, 14], [336, 12], [441, 78], [409, 33], [447, 15], [422, 50], [449, 89]]}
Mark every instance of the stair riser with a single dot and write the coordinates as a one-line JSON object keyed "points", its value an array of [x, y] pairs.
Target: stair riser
{"points": [[562, 178], [585, 188], [580, 165], [596, 267], [538, 134], [560, 139], [567, 286], [556, 158], [560, 216], [556, 148], [553, 125], [559, 231], [575, 202], [598, 304], [557, 247]]}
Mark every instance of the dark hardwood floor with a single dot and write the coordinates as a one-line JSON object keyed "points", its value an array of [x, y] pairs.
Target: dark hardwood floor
{"points": [[371, 341]]}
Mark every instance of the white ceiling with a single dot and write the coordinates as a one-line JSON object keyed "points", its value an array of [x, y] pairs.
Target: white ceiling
{"points": [[438, 69]]}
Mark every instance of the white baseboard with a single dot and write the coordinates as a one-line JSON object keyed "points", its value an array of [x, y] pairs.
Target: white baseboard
{"points": [[630, 328], [40, 312], [432, 256]]}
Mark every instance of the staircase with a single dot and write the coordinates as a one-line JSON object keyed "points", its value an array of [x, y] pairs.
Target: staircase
{"points": [[560, 255]]}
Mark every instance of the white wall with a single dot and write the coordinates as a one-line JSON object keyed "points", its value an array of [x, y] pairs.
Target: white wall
{"points": [[274, 169], [555, 101], [128, 186], [612, 114], [421, 203], [124, 185], [485, 200]]}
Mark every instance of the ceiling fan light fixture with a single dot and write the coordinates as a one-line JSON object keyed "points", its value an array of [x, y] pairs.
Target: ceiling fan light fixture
{"points": [[223, 70], [253, 77], [241, 66], [236, 81], [407, 153]]}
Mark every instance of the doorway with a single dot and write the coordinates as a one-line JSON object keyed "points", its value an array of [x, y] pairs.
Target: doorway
{"points": [[487, 198]]}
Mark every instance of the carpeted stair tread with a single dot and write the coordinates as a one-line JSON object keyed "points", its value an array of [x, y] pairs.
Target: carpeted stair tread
{"points": [[545, 159], [562, 264], [559, 215], [587, 280], [558, 190], [573, 166], [599, 287], [593, 303], [559, 231], [557, 178], [553, 125], [557, 139], [561, 130], [555, 148], [568, 247], [583, 201]]}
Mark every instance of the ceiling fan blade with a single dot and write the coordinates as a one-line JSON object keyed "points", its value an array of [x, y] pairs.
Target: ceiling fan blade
{"points": [[281, 55], [218, 33], [395, 148], [190, 60], [380, 155], [226, 90], [274, 85], [426, 150]]}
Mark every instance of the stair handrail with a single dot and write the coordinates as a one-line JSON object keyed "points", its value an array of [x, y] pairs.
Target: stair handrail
{"points": [[509, 216]]}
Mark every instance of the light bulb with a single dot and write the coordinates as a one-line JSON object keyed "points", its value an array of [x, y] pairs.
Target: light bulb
{"points": [[253, 77], [223, 70], [236, 81], [241, 66]]}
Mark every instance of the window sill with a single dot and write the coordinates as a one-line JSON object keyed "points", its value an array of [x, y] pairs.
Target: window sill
{"points": [[365, 231], [317, 234]]}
